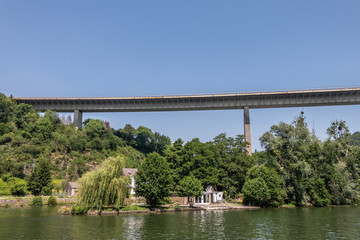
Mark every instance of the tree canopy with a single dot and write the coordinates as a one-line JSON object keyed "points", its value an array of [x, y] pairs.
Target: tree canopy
{"points": [[153, 179], [106, 186]]}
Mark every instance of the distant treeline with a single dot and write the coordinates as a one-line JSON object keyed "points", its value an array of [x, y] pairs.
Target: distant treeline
{"points": [[41, 152]]}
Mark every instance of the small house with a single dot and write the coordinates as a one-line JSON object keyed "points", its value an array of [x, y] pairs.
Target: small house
{"points": [[210, 196], [71, 188], [131, 173]]}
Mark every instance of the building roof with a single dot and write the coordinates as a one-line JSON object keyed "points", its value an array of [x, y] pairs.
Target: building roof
{"points": [[73, 185], [129, 171]]}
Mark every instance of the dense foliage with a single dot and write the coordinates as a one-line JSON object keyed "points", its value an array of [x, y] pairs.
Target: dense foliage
{"points": [[39, 153], [107, 186], [313, 172], [36, 202], [52, 201], [189, 186], [46, 150], [153, 179]]}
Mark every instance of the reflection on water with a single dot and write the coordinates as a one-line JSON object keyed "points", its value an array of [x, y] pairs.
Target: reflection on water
{"points": [[303, 223]]}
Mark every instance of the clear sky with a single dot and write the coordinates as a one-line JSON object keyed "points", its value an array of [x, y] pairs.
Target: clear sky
{"points": [[146, 48]]}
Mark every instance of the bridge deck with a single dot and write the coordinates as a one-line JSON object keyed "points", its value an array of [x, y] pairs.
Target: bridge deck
{"points": [[278, 99]]}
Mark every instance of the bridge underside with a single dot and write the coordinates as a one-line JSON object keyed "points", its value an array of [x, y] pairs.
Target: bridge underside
{"points": [[246, 101]]}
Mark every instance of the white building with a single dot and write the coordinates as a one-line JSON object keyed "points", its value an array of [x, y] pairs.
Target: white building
{"points": [[131, 172], [210, 196]]}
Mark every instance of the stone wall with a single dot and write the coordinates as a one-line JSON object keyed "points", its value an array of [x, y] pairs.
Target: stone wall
{"points": [[25, 201]]}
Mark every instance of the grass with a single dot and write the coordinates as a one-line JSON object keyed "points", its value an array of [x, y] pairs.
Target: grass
{"points": [[133, 208]]}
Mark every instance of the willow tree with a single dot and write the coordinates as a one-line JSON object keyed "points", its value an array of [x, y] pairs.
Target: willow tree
{"points": [[107, 186]]}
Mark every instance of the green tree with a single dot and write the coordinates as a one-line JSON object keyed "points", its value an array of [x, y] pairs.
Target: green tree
{"points": [[6, 106], [40, 177], [202, 161], [256, 192], [189, 186], [107, 186], [319, 195], [234, 162], [153, 179], [354, 139], [273, 185], [127, 134], [21, 110], [287, 147], [17, 186], [338, 129]]}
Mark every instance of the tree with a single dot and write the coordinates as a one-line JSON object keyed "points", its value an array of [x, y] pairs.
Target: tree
{"points": [[190, 186], [107, 186], [234, 161], [20, 111], [127, 134], [287, 147], [202, 161], [6, 106], [273, 186], [338, 130], [256, 192], [40, 177], [153, 179], [319, 195], [355, 139]]}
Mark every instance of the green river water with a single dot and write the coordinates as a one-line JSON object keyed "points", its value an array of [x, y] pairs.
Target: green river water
{"points": [[298, 223]]}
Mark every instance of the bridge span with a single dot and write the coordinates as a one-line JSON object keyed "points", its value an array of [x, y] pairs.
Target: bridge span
{"points": [[245, 101]]}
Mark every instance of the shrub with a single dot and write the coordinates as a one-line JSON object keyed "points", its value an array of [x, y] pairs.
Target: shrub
{"points": [[52, 201], [36, 202], [256, 192], [7, 205], [4, 188], [79, 210], [17, 186], [46, 191], [132, 208]]}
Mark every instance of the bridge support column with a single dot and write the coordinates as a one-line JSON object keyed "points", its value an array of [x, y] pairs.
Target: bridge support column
{"points": [[247, 128], [78, 118]]}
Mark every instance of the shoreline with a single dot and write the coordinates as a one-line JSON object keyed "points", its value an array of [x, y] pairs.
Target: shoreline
{"points": [[19, 202]]}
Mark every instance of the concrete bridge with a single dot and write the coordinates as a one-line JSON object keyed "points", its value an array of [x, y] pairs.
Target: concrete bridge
{"points": [[245, 101]]}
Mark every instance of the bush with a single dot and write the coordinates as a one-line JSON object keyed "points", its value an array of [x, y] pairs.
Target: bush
{"points": [[132, 208], [4, 188], [263, 187], [17, 186], [256, 192], [46, 191], [36, 202], [79, 210], [52, 201]]}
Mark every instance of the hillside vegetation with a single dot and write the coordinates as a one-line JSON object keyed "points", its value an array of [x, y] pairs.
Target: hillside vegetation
{"points": [[40, 152]]}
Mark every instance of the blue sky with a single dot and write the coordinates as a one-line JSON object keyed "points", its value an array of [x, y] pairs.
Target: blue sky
{"points": [[147, 48]]}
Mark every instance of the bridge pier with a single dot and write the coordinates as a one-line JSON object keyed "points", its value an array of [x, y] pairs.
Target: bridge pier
{"points": [[247, 128], [78, 118]]}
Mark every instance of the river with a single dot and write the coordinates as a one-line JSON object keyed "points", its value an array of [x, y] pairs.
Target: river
{"points": [[296, 223]]}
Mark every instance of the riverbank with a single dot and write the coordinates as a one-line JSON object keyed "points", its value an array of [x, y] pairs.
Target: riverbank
{"points": [[17, 202], [66, 210]]}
